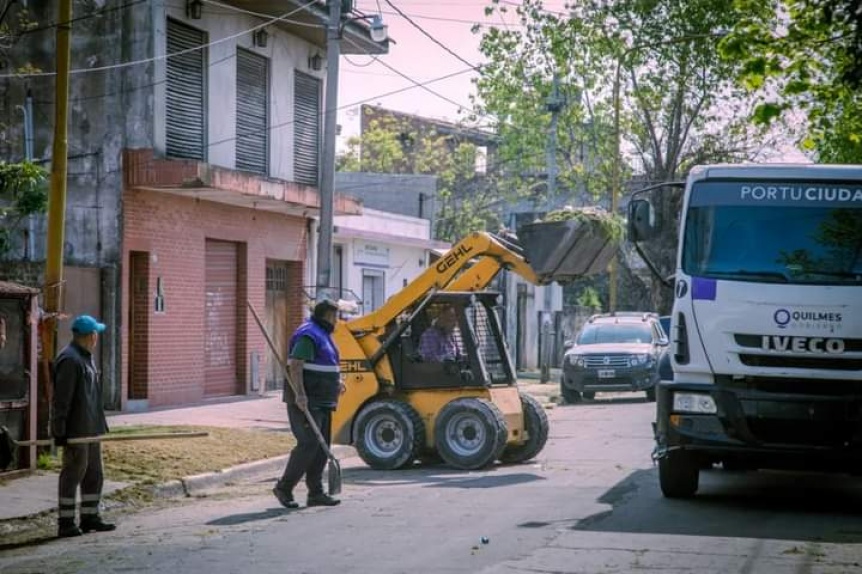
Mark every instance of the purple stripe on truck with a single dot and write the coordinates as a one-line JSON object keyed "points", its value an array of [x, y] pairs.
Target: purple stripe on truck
{"points": [[703, 289]]}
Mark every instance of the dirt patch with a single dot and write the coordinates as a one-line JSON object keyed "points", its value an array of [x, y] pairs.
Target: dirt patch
{"points": [[150, 462]]}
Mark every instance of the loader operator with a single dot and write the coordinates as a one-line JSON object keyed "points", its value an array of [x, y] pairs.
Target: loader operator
{"points": [[438, 343], [314, 370], [77, 411]]}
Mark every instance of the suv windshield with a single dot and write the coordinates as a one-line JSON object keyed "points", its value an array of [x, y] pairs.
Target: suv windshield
{"points": [[775, 232], [615, 333]]}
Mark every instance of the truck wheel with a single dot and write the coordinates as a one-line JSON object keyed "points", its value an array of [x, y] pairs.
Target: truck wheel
{"points": [[389, 434], [536, 427], [470, 433], [650, 394], [570, 396], [678, 475]]}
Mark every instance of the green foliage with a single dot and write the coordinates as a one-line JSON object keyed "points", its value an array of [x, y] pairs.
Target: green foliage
{"points": [[466, 201], [607, 223], [46, 461], [22, 193], [814, 48], [589, 298]]}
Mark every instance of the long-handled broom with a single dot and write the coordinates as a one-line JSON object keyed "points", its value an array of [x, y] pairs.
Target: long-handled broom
{"points": [[333, 469]]}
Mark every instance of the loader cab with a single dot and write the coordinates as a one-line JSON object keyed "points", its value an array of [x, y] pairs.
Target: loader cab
{"points": [[454, 341]]}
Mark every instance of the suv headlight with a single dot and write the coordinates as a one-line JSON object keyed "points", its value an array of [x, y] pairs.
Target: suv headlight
{"points": [[576, 360], [636, 360], [698, 403]]}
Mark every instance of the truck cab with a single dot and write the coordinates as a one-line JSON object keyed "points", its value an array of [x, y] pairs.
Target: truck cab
{"points": [[766, 342]]}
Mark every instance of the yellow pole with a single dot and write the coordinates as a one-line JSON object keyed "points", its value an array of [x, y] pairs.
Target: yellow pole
{"points": [[615, 187], [57, 201]]}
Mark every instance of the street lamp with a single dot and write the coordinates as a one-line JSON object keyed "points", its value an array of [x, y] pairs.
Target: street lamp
{"points": [[334, 29], [617, 177]]}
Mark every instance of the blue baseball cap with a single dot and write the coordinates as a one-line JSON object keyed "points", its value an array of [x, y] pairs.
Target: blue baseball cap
{"points": [[85, 325]]}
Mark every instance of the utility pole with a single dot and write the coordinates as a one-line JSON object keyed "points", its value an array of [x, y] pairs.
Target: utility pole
{"points": [[57, 202], [554, 105], [616, 184], [327, 173]]}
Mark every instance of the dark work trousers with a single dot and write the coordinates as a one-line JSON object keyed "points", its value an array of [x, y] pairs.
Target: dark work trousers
{"points": [[82, 466], [306, 457]]}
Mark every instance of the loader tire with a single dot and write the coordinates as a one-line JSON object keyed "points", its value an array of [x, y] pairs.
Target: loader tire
{"points": [[470, 433], [389, 434], [536, 426]]}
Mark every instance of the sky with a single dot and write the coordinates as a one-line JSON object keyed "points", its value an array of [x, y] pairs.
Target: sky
{"points": [[414, 55]]}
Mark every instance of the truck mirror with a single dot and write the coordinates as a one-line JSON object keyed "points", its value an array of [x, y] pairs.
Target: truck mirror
{"points": [[568, 344], [641, 222]]}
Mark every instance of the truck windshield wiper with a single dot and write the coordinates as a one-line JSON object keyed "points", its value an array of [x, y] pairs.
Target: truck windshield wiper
{"points": [[749, 274], [844, 274]]}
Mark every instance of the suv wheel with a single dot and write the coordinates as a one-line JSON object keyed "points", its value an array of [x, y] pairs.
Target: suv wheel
{"points": [[650, 394]]}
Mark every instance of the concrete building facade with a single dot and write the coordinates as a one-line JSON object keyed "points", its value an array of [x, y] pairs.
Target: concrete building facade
{"points": [[194, 160]]}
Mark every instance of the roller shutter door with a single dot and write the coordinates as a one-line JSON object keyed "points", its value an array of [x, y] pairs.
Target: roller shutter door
{"points": [[220, 341]]}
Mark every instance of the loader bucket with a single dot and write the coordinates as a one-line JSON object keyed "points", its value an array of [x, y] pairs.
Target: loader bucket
{"points": [[566, 250]]}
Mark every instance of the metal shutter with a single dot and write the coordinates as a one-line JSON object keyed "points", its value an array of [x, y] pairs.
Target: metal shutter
{"points": [[186, 94], [306, 128], [220, 308], [252, 112]]}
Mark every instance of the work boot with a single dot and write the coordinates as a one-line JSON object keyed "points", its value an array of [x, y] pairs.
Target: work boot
{"points": [[67, 529], [285, 497], [96, 524], [322, 500]]}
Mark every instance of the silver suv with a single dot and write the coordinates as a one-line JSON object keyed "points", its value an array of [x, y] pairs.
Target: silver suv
{"points": [[614, 352]]}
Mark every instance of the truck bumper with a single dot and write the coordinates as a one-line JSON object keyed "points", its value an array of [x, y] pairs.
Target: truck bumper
{"points": [[758, 429]]}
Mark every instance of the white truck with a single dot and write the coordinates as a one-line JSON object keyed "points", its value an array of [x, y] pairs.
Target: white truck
{"points": [[766, 341]]}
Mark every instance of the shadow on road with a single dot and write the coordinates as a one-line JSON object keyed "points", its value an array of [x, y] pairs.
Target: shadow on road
{"points": [[440, 477], [237, 519], [760, 505], [634, 399]]}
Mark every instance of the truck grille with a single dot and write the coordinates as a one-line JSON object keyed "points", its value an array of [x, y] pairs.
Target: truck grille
{"points": [[796, 362], [796, 432], [609, 361]]}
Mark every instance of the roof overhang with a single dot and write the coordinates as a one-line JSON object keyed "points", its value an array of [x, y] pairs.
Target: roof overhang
{"points": [[309, 23], [381, 237], [188, 178]]}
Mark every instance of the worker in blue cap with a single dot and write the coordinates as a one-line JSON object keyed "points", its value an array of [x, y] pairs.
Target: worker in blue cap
{"points": [[77, 411]]}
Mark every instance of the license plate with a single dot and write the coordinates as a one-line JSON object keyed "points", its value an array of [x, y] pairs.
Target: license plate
{"points": [[607, 373]]}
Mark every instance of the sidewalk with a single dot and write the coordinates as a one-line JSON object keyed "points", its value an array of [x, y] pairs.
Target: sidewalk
{"points": [[36, 494]]}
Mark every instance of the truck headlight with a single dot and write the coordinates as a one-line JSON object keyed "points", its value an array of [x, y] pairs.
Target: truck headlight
{"points": [[576, 360], [699, 403]]}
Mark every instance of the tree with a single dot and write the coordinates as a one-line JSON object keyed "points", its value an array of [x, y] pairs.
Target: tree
{"points": [[466, 200], [22, 194], [678, 104], [804, 56]]}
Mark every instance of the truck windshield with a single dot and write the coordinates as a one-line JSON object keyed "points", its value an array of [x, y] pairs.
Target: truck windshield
{"points": [[774, 233]]}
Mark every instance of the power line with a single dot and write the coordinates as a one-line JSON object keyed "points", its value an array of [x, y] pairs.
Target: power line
{"points": [[81, 18], [165, 56], [428, 35]]}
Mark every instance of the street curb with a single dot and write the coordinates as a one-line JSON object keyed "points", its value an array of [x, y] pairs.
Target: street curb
{"points": [[190, 485]]}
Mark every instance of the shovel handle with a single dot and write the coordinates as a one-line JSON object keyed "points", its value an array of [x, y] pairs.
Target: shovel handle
{"points": [[113, 438]]}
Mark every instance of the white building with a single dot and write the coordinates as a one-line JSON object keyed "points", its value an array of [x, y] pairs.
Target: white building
{"points": [[377, 254]]}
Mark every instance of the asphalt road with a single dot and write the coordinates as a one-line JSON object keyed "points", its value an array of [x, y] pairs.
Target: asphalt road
{"points": [[589, 504]]}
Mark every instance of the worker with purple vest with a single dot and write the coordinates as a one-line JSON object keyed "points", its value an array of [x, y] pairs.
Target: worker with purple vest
{"points": [[314, 369]]}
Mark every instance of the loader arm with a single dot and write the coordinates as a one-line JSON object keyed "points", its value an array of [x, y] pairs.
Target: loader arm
{"points": [[493, 256]]}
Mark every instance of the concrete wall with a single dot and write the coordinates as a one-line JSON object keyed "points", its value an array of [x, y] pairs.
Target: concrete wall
{"points": [[412, 195], [109, 110], [286, 54]]}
